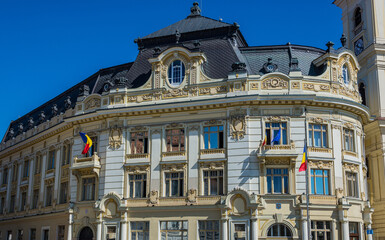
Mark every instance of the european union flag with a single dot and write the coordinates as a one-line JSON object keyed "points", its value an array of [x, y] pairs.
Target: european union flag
{"points": [[277, 138]]}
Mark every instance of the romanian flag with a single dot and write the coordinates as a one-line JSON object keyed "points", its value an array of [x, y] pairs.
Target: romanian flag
{"points": [[264, 141], [303, 166], [87, 140]]}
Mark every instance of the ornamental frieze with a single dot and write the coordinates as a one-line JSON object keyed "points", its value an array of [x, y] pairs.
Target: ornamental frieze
{"points": [[92, 103], [351, 167], [274, 83], [320, 164], [174, 93]]}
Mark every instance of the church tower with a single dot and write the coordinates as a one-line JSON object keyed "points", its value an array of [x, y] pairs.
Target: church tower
{"points": [[364, 30]]}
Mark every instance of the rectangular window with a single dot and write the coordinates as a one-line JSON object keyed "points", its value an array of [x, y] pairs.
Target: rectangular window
{"points": [[5, 176], [277, 180], [60, 232], [208, 230], [213, 182], [2, 203], [348, 140], [139, 142], [12, 204], [46, 234], [174, 184], [138, 185], [320, 230], [111, 233], [351, 184], [20, 234], [38, 164], [48, 196], [320, 181], [14, 173], [94, 148], [51, 160], [63, 192], [26, 169], [88, 189], [318, 136], [175, 230], [32, 235], [23, 201], [175, 140], [35, 198], [353, 231], [66, 155], [140, 230], [213, 137], [272, 130]]}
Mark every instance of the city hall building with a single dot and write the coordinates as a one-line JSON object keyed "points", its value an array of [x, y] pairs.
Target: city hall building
{"points": [[183, 142]]}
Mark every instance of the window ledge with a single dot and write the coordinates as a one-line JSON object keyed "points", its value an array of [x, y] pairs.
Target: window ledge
{"points": [[138, 156], [278, 147], [174, 154], [350, 153], [50, 171], [213, 151], [320, 150]]}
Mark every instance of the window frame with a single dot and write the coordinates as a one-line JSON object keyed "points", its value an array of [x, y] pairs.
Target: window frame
{"points": [[314, 183], [270, 136], [282, 175], [146, 229], [182, 230], [51, 159], [146, 142], [220, 189], [312, 130], [93, 184], [66, 155], [325, 230], [350, 134], [278, 225], [143, 183], [63, 195], [181, 135], [220, 142], [34, 204], [26, 168], [345, 73], [170, 183], [49, 192], [215, 223], [171, 71]]}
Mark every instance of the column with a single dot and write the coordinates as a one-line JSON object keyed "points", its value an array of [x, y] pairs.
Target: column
{"points": [[369, 236], [30, 181], [124, 223], [99, 228], [224, 229], [57, 175], [305, 235], [70, 222], [254, 229], [8, 192], [43, 170], [345, 229]]}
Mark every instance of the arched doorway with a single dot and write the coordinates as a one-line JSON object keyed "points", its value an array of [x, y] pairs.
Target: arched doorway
{"points": [[86, 234], [279, 231]]}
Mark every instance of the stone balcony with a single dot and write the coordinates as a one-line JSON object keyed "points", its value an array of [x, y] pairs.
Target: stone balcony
{"points": [[86, 165]]}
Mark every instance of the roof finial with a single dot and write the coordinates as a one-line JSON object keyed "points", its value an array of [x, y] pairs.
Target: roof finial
{"points": [[343, 40], [195, 10]]}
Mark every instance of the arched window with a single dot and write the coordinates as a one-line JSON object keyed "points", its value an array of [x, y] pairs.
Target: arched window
{"points": [[362, 91], [357, 17], [345, 74], [176, 73], [279, 230]]}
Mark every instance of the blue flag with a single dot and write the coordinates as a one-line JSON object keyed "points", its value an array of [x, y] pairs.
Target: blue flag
{"points": [[277, 138]]}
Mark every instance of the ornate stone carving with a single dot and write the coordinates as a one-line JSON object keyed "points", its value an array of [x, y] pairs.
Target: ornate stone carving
{"points": [[278, 161], [351, 167], [348, 125], [317, 120], [295, 85], [154, 198], [212, 165], [274, 83], [238, 126], [321, 164], [54, 110], [92, 103], [192, 196], [173, 93], [276, 119], [339, 193], [308, 86], [115, 139], [67, 103]]}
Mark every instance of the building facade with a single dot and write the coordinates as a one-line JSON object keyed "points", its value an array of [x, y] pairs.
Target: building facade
{"points": [[364, 27], [178, 145]]}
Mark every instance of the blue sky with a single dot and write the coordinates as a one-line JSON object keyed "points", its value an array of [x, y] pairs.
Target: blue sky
{"points": [[48, 46]]}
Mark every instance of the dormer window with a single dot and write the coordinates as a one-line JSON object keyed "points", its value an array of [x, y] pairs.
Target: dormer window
{"points": [[345, 74], [357, 17], [176, 73]]}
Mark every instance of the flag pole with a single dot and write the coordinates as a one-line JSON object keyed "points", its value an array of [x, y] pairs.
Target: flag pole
{"points": [[307, 182]]}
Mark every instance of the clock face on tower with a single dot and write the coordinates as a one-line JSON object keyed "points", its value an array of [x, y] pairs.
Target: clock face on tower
{"points": [[358, 46]]}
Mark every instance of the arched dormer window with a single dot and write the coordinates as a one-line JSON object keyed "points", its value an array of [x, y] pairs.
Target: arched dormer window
{"points": [[357, 17], [279, 230], [176, 72], [362, 91], [345, 74]]}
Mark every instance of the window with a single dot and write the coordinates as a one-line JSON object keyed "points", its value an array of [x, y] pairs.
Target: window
{"points": [[273, 129], [279, 230], [362, 91], [318, 136], [357, 17], [5, 176], [2, 203], [345, 74], [176, 73], [175, 230], [174, 184], [66, 155], [319, 181], [14, 173], [51, 160], [12, 204], [26, 169], [9, 235], [94, 148], [48, 196], [88, 189], [277, 180], [213, 137], [45, 234], [351, 184], [320, 230], [111, 233], [63, 192], [353, 231], [35, 198], [208, 230], [23, 201], [38, 164], [140, 230], [20, 234], [60, 232], [32, 235], [138, 185], [349, 140], [213, 182], [139, 142], [175, 140]]}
